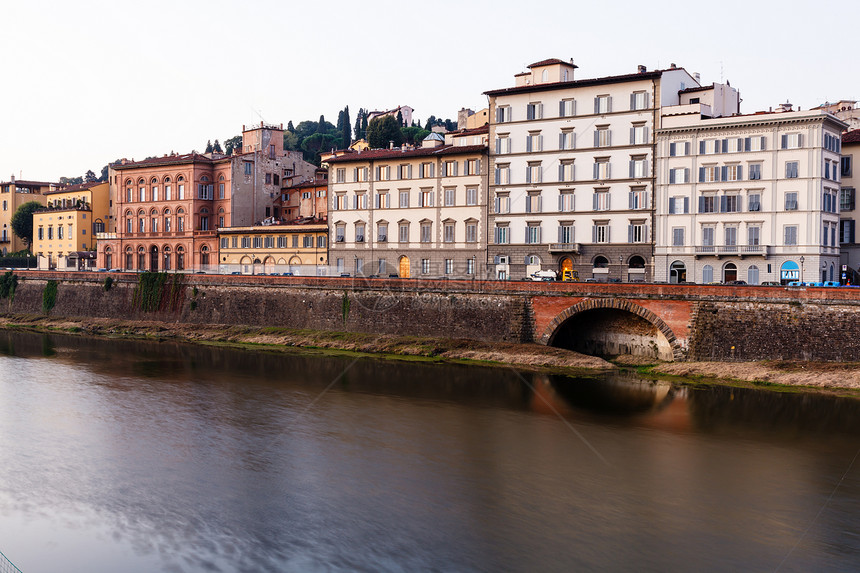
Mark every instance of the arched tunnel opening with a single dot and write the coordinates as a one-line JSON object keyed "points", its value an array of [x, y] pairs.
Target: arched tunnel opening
{"points": [[612, 332]]}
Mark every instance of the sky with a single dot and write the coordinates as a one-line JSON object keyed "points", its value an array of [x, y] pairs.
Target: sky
{"points": [[92, 81]]}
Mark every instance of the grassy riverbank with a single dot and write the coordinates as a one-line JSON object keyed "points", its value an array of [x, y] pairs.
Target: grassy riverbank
{"points": [[795, 375]]}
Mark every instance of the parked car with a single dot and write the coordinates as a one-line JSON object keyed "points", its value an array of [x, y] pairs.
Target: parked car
{"points": [[736, 283], [548, 275]]}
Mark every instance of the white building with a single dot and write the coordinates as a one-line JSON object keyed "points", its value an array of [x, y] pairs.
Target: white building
{"points": [[848, 212], [572, 170], [411, 212], [748, 197]]}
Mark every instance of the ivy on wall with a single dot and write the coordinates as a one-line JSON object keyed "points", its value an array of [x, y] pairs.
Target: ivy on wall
{"points": [[49, 296], [158, 291], [8, 284]]}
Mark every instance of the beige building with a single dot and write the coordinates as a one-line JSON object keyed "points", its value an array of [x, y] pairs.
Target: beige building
{"points": [[300, 249], [846, 110], [848, 212], [13, 194], [68, 224], [410, 212]]}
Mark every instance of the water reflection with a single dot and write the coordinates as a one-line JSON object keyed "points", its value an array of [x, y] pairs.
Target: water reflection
{"points": [[143, 456]]}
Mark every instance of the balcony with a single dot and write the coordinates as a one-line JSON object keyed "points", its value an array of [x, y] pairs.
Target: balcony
{"points": [[732, 250], [564, 248]]}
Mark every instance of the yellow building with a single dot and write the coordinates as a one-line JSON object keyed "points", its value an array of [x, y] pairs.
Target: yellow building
{"points": [[298, 249], [68, 224], [13, 194]]}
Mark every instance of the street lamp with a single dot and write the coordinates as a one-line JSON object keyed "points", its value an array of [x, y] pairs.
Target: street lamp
{"points": [[620, 268], [801, 267]]}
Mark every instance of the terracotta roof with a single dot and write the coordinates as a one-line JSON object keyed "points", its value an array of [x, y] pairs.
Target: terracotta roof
{"points": [[474, 131], [29, 183], [173, 160], [306, 185], [550, 62], [377, 154], [578, 83], [72, 188], [852, 136]]}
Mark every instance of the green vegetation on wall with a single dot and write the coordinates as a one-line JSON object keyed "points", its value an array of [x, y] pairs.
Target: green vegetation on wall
{"points": [[344, 304], [8, 284], [49, 296], [108, 283], [158, 291]]}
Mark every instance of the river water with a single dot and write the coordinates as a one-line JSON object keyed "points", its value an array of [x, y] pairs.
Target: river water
{"points": [[135, 456]]}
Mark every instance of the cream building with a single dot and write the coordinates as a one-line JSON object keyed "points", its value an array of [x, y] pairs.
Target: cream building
{"points": [[301, 250], [410, 212], [572, 171], [848, 212], [13, 194], [68, 224], [749, 197]]}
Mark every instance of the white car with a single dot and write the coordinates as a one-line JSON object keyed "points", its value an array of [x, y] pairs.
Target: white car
{"points": [[543, 276]]}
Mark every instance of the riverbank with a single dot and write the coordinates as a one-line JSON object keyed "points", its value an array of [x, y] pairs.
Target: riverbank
{"points": [[796, 374]]}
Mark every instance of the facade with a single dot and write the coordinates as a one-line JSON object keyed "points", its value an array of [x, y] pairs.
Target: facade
{"points": [[409, 212], [846, 110], [168, 208], [748, 197], [306, 200], [299, 249], [69, 223], [13, 194], [572, 171], [848, 212], [404, 110]]}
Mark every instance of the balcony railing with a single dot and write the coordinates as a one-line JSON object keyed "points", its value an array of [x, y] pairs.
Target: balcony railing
{"points": [[564, 248], [737, 250]]}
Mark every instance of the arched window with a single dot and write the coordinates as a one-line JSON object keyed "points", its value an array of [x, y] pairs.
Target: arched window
{"points": [[707, 274], [166, 252], [141, 221], [204, 256], [636, 262], [141, 258], [677, 273], [129, 191], [180, 187], [753, 275], [108, 258], [180, 258], [129, 258], [154, 185], [601, 262]]}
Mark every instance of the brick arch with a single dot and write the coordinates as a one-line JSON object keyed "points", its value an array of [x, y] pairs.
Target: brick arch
{"points": [[617, 304]]}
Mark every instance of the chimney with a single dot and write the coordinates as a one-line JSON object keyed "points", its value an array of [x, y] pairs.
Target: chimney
{"points": [[698, 77], [12, 180], [672, 66], [642, 69], [390, 144]]}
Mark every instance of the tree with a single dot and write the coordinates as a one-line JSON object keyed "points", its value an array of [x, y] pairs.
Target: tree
{"points": [[345, 133], [383, 130], [208, 147], [66, 181], [317, 143], [431, 121], [358, 131], [90, 177], [22, 221], [414, 135], [104, 176], [321, 125], [217, 147], [290, 127], [400, 118], [233, 145]]}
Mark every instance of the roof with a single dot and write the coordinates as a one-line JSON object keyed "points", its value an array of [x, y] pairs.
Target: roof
{"points": [[474, 131], [578, 83], [550, 62], [29, 183], [307, 185], [852, 136], [696, 89], [378, 154], [172, 160], [73, 188]]}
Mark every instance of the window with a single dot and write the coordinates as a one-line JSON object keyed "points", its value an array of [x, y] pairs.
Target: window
{"points": [[534, 141], [359, 232], [566, 108], [637, 232], [679, 205], [141, 225], [638, 134], [502, 235], [791, 201], [503, 114], [846, 231], [679, 148], [503, 144], [404, 171], [155, 192], [600, 232], [707, 204], [382, 200], [731, 234], [128, 193], [707, 274], [142, 194], [754, 202], [307, 241], [638, 198], [534, 202], [41, 234], [709, 174], [383, 172], [471, 232], [425, 266], [602, 136], [638, 167], [503, 174], [426, 170], [566, 202], [426, 198], [204, 223], [708, 236], [790, 234], [426, 232], [471, 196], [339, 202], [533, 172], [340, 232], [601, 168], [603, 104], [754, 144], [470, 266], [359, 201], [448, 233], [567, 139], [450, 196], [732, 173], [679, 175], [533, 234], [678, 237], [404, 199], [846, 199], [566, 170], [403, 233], [153, 225], [258, 242], [566, 233], [282, 242], [828, 201], [846, 165], [249, 168], [60, 232], [601, 200], [791, 141], [340, 175], [638, 100], [832, 143], [534, 110], [755, 171], [449, 266], [753, 235], [180, 224], [472, 167], [730, 204]]}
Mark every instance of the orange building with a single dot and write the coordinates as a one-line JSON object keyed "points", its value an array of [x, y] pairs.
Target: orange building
{"points": [[306, 200], [167, 209]]}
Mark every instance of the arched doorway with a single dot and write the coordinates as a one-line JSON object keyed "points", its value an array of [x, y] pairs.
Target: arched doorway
{"points": [[566, 264], [677, 273], [788, 272], [269, 265], [832, 272], [404, 267], [153, 258], [636, 269], [295, 262], [166, 252], [141, 258], [204, 258], [600, 268], [258, 267], [180, 258], [730, 273], [246, 264], [108, 258], [129, 258]]}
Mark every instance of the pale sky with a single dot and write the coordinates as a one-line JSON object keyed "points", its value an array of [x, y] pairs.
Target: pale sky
{"points": [[90, 81]]}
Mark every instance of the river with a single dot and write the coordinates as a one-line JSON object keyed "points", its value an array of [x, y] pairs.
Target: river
{"points": [[144, 456]]}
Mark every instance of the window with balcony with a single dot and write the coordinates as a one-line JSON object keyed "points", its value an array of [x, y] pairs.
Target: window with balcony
{"points": [[753, 235]]}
